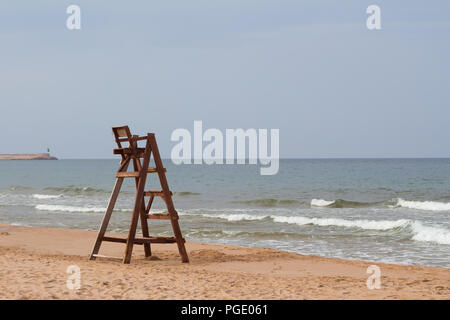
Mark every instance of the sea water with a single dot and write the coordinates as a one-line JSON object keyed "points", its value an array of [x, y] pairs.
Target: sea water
{"points": [[383, 210]]}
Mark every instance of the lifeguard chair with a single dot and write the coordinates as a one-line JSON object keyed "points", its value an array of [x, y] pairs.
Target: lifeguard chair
{"points": [[129, 150]]}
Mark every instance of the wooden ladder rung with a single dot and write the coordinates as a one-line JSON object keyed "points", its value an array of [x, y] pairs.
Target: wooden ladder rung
{"points": [[142, 240], [155, 193], [126, 139], [135, 174], [127, 174], [114, 239], [155, 170], [137, 240], [128, 151], [165, 216], [164, 239], [107, 257]]}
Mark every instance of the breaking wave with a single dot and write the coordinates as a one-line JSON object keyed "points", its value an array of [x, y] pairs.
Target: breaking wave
{"points": [[418, 231], [77, 190], [62, 208], [430, 234], [393, 203], [46, 196], [321, 203], [339, 203], [362, 224], [423, 205], [235, 216]]}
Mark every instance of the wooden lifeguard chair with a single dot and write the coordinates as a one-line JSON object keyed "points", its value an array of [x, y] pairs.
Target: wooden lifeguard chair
{"points": [[133, 153]]}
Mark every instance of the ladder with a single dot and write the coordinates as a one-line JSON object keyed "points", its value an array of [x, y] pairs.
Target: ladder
{"points": [[131, 152]]}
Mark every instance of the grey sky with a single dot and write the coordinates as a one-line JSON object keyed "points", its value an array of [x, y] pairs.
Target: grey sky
{"points": [[309, 68]]}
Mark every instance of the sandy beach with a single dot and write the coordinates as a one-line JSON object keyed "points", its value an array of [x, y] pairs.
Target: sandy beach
{"points": [[34, 262]]}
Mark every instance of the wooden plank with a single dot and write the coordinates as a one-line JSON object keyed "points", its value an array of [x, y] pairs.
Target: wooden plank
{"points": [[122, 132], [161, 216], [149, 205], [140, 138], [135, 138], [129, 151], [163, 239], [107, 257], [168, 198], [142, 240], [155, 193], [134, 174], [121, 151], [115, 239], [137, 204], [127, 174], [124, 165], [107, 217], [142, 212]]}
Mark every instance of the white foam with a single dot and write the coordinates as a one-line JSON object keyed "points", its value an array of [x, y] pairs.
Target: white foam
{"points": [[423, 205], [362, 224], [52, 207], [321, 202], [46, 196], [430, 234], [420, 232], [235, 217], [238, 210]]}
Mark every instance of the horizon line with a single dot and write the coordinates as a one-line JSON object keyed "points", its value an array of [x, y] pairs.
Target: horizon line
{"points": [[293, 158]]}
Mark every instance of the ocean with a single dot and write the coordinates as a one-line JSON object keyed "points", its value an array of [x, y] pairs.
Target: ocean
{"points": [[382, 210]]}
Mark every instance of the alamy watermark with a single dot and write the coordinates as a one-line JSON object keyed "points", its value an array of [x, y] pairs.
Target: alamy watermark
{"points": [[240, 145], [73, 21], [74, 279], [374, 281], [374, 20]]}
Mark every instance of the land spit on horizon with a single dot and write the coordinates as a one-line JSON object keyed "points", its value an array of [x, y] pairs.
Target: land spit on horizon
{"points": [[27, 156]]}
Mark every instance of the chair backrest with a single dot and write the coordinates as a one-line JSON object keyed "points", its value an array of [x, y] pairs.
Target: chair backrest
{"points": [[122, 134]]}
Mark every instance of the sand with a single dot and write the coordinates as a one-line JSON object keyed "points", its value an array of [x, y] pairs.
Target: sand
{"points": [[34, 261]]}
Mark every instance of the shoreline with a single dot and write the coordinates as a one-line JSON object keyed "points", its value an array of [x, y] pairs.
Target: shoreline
{"points": [[34, 260], [4, 225]]}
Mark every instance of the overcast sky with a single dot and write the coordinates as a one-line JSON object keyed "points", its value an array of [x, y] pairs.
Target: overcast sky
{"points": [[309, 68]]}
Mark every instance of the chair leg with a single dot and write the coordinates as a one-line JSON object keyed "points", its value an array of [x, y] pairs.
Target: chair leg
{"points": [[106, 217]]}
